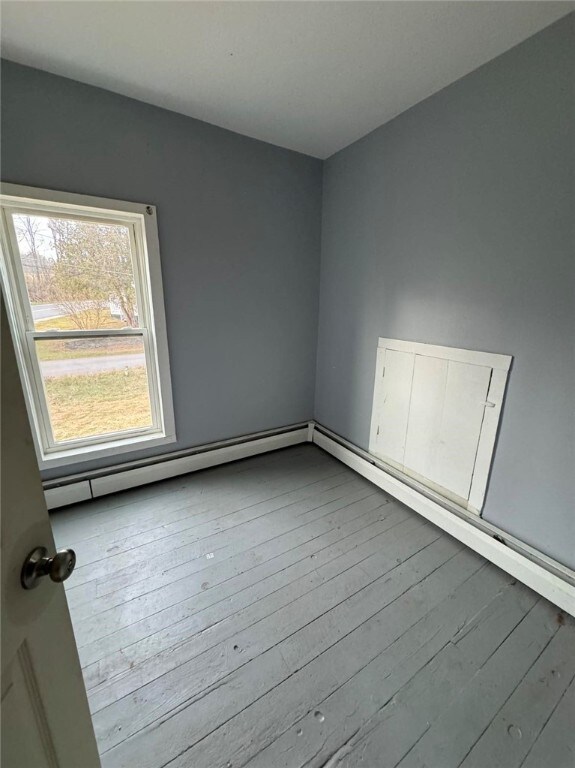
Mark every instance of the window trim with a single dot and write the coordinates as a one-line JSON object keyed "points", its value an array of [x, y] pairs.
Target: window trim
{"points": [[141, 220]]}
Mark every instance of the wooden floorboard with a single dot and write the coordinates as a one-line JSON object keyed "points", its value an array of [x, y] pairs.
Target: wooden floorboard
{"points": [[181, 514], [353, 501], [282, 611], [555, 744], [229, 602]]}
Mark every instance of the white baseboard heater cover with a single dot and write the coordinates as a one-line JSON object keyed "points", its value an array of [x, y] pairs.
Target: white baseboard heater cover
{"points": [[435, 415], [74, 489], [547, 577]]}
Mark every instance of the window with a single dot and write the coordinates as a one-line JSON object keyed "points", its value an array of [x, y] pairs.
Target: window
{"points": [[83, 289]]}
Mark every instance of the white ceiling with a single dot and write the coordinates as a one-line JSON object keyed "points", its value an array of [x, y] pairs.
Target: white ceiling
{"points": [[311, 76]]}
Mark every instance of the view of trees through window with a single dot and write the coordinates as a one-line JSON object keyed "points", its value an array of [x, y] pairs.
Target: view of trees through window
{"points": [[79, 276], [84, 268]]}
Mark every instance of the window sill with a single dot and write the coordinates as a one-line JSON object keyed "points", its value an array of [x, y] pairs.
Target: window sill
{"points": [[87, 453]]}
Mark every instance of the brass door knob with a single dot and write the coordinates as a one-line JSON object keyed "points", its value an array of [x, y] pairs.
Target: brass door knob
{"points": [[38, 564]]}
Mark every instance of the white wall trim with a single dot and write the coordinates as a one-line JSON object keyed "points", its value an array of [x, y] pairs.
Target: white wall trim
{"points": [[547, 581], [489, 359], [73, 489], [166, 469], [310, 429]]}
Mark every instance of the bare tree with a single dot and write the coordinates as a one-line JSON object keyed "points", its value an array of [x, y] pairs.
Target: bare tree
{"points": [[93, 267], [37, 267]]}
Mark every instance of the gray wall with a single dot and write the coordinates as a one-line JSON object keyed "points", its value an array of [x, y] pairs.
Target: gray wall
{"points": [[452, 225], [239, 225]]}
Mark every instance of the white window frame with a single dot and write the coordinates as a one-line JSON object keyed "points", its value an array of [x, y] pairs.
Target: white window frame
{"points": [[141, 220]]}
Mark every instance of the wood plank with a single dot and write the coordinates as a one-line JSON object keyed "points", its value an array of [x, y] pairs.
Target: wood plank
{"points": [[487, 440], [425, 413], [342, 581], [393, 401], [366, 719], [342, 628], [403, 720], [513, 730], [78, 593], [555, 745], [242, 563], [93, 512], [181, 510], [114, 512], [323, 596], [181, 506], [489, 359], [323, 675], [145, 555], [212, 605], [218, 546], [125, 576], [350, 493], [445, 418], [134, 581], [223, 621], [450, 738], [461, 421]]}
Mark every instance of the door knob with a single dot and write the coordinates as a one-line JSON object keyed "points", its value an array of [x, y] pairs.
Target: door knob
{"points": [[38, 564]]}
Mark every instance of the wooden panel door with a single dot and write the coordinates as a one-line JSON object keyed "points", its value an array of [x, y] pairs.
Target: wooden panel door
{"points": [[435, 416], [45, 716], [395, 372], [446, 413]]}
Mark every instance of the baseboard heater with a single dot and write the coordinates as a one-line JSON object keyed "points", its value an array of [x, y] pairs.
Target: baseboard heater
{"points": [[83, 487], [544, 575]]}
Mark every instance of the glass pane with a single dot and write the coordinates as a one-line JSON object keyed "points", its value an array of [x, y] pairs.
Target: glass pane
{"points": [[95, 386], [79, 274]]}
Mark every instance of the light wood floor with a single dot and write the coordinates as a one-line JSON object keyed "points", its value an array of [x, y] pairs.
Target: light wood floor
{"points": [[282, 611]]}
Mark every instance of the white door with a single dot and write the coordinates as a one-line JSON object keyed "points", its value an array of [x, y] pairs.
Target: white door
{"points": [[45, 716]]}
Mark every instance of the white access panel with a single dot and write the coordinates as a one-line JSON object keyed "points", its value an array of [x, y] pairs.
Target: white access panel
{"points": [[446, 412], [393, 405], [435, 415]]}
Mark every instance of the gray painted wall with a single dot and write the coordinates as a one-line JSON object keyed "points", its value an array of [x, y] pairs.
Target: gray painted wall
{"points": [[239, 225], [452, 225]]}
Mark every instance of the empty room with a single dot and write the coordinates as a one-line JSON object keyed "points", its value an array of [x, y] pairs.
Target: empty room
{"points": [[287, 384]]}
